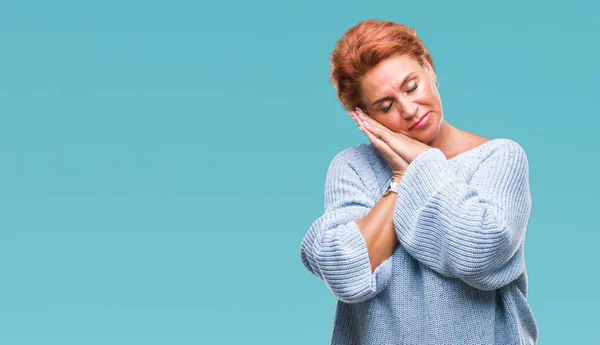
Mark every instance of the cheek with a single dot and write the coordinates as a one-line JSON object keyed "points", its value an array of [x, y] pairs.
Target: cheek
{"points": [[430, 99], [393, 122], [428, 94]]}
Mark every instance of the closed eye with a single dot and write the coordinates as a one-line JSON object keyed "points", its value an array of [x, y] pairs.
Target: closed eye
{"points": [[413, 88], [385, 110]]}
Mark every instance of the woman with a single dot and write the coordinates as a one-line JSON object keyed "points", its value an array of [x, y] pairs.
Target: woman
{"points": [[422, 236]]}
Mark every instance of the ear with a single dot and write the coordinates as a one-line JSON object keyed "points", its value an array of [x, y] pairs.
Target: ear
{"points": [[429, 70]]}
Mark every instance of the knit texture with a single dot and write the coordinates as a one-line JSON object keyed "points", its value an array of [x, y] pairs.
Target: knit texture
{"points": [[458, 275]]}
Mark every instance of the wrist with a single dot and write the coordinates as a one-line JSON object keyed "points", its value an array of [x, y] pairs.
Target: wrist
{"points": [[394, 184], [398, 176]]}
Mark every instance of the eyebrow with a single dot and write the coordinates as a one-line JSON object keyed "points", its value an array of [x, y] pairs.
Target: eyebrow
{"points": [[387, 97]]}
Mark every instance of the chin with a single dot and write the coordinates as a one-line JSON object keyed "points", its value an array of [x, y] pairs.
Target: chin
{"points": [[425, 137], [431, 133]]}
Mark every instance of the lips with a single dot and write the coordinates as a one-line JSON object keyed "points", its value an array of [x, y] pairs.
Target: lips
{"points": [[419, 121]]}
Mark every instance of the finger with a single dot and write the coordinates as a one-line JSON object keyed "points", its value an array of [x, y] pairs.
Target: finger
{"points": [[381, 133], [365, 117], [379, 144], [393, 139], [375, 127], [397, 142], [354, 117]]}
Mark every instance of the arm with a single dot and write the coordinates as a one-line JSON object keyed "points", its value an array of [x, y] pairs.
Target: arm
{"points": [[378, 230], [337, 250], [471, 230]]}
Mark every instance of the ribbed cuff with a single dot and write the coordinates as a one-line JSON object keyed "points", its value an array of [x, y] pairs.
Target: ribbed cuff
{"points": [[344, 263], [423, 177]]}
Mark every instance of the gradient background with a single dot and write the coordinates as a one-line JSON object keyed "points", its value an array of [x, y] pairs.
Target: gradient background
{"points": [[161, 161]]}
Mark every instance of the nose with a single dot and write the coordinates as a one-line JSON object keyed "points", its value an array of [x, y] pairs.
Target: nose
{"points": [[408, 109]]}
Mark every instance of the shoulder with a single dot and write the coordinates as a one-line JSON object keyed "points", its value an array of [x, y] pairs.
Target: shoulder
{"points": [[358, 157], [360, 163], [503, 148], [506, 155]]}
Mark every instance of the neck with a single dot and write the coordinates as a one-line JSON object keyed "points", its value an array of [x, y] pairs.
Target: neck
{"points": [[446, 140]]}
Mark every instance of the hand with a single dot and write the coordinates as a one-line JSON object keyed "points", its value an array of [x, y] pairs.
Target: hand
{"points": [[397, 149], [394, 160]]}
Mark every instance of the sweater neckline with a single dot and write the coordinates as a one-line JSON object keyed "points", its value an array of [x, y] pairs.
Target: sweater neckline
{"points": [[455, 158], [476, 148]]}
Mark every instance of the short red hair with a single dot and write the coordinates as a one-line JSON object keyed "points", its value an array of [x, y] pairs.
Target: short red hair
{"points": [[362, 48]]}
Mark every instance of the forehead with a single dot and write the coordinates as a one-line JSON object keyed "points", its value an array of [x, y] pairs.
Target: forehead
{"points": [[388, 74]]}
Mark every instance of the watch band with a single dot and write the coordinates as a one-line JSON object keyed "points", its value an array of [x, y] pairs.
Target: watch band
{"points": [[392, 187]]}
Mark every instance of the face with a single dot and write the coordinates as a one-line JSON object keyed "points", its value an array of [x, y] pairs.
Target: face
{"points": [[398, 92]]}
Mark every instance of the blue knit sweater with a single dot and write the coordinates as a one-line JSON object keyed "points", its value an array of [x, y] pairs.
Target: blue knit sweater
{"points": [[458, 275]]}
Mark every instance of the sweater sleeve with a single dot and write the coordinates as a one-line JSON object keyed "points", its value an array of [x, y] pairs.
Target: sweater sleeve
{"points": [[467, 228], [334, 249]]}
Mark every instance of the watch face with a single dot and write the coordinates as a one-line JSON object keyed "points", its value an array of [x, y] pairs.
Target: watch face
{"points": [[388, 190]]}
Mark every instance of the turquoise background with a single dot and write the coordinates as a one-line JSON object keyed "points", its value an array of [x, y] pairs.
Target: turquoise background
{"points": [[162, 160]]}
